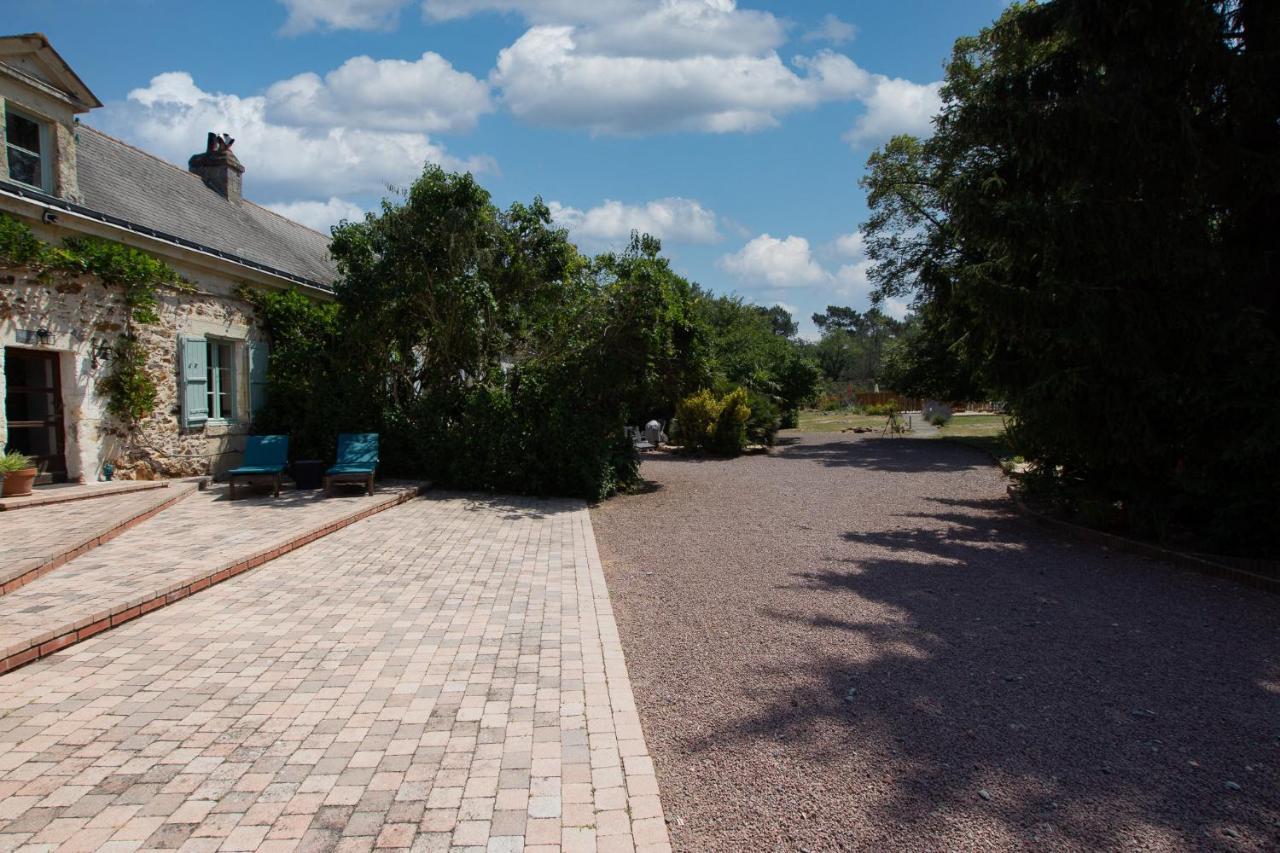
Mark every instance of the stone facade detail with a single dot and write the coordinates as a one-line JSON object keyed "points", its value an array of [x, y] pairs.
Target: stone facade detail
{"points": [[81, 315]]}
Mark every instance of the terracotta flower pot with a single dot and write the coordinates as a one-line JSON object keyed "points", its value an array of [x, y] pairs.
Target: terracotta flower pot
{"points": [[18, 483]]}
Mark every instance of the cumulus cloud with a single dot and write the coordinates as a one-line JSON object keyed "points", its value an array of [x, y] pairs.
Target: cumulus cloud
{"points": [[320, 215], [851, 280], [896, 106], [426, 95], [833, 30], [895, 308], [306, 15], [171, 116], [610, 66], [789, 262], [849, 245], [546, 79], [674, 220], [777, 262]]}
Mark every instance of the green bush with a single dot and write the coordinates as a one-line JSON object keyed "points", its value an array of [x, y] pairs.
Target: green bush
{"points": [[765, 420], [880, 409], [714, 425], [940, 420]]}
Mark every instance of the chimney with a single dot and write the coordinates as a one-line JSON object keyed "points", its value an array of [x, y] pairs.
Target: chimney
{"points": [[219, 168]]}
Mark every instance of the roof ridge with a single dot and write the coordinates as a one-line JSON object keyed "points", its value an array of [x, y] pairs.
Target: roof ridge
{"points": [[196, 177]]}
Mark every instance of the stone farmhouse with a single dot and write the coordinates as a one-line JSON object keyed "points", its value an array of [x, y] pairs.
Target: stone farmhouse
{"points": [[207, 355]]}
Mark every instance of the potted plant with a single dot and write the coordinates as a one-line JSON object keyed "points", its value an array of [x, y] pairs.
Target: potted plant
{"points": [[19, 472]]}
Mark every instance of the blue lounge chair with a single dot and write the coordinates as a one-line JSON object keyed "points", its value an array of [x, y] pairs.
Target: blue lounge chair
{"points": [[265, 457], [357, 461]]}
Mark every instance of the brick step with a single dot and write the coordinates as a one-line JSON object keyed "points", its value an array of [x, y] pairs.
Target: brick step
{"points": [[64, 609], [67, 492], [103, 529]]}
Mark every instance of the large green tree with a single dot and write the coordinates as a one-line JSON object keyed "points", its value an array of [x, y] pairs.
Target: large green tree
{"points": [[1086, 235]]}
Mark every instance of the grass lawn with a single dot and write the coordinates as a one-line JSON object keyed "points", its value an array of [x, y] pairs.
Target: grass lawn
{"points": [[815, 421], [985, 432]]}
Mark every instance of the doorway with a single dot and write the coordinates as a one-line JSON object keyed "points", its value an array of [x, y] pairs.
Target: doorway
{"points": [[33, 410]]}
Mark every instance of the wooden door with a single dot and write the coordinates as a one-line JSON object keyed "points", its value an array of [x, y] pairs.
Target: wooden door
{"points": [[33, 410]]}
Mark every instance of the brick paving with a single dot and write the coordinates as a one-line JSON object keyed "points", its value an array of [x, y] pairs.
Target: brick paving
{"points": [[446, 675], [40, 538], [189, 542]]}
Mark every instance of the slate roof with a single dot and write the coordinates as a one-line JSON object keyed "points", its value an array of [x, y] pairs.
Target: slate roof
{"points": [[130, 184]]}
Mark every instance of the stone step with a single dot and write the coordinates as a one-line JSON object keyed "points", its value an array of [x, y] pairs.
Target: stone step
{"points": [[65, 492], [39, 541], [200, 542]]}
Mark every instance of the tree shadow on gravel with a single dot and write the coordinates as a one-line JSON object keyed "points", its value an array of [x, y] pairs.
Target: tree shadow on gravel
{"points": [[901, 455], [1078, 700]]}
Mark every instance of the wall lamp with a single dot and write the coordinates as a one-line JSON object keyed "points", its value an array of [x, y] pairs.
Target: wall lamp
{"points": [[101, 353]]}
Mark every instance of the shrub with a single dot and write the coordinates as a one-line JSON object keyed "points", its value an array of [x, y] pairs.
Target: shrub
{"points": [[881, 409], [765, 419], [696, 415], [939, 420], [714, 425], [730, 434]]}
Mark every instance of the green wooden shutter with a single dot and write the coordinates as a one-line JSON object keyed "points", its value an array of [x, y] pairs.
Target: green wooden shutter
{"points": [[258, 353], [193, 373]]}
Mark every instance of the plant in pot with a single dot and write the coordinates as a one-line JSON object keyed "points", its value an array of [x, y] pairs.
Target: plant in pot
{"points": [[19, 472]]}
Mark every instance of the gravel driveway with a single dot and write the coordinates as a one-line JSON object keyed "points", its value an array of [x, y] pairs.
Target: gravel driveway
{"points": [[851, 643]]}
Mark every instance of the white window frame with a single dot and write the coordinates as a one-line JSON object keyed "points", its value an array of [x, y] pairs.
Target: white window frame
{"points": [[45, 154], [213, 356]]}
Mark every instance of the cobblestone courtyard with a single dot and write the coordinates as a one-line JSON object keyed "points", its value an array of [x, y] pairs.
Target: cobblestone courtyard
{"points": [[445, 675]]}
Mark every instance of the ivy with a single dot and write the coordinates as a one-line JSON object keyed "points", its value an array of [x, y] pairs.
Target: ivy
{"points": [[130, 390]]}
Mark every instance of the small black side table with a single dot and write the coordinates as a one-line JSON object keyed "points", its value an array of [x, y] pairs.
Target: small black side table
{"points": [[308, 473]]}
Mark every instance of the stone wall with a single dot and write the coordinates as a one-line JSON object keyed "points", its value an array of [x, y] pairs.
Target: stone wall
{"points": [[81, 313]]}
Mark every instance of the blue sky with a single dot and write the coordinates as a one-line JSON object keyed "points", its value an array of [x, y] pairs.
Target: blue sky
{"points": [[734, 131]]}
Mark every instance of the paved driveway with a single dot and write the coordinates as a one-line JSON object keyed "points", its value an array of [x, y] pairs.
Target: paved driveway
{"points": [[854, 644], [445, 675]]}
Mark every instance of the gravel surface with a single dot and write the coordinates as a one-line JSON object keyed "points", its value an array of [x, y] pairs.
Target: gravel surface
{"points": [[852, 643]]}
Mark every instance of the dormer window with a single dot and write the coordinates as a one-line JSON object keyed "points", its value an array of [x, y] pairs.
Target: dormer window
{"points": [[28, 150]]}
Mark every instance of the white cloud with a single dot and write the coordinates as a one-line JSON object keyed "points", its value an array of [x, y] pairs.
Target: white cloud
{"points": [[833, 30], [546, 79], [320, 215], [851, 279], [849, 245], [895, 308], [306, 15], [171, 116], [426, 95], [674, 220], [785, 262], [896, 106], [611, 66], [788, 262]]}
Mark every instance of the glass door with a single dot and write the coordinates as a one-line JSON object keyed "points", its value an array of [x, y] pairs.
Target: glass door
{"points": [[33, 410]]}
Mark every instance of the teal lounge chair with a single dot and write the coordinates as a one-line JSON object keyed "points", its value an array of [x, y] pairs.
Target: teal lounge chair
{"points": [[265, 458], [357, 461]]}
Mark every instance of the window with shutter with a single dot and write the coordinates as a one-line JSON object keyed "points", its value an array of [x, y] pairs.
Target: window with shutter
{"points": [[258, 355], [193, 373]]}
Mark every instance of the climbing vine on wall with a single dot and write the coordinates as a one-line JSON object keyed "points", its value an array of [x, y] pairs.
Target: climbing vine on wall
{"points": [[129, 388]]}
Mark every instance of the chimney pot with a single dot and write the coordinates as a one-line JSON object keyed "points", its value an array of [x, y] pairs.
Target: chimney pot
{"points": [[219, 167]]}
